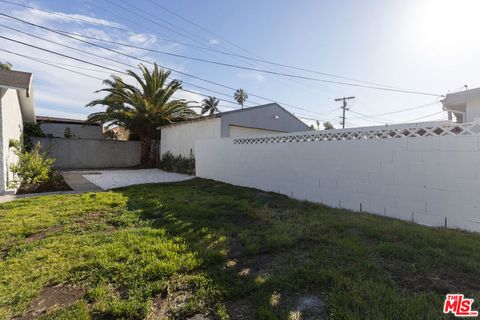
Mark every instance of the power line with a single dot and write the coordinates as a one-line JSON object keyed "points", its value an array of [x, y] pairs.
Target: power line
{"points": [[143, 60], [65, 15], [427, 116], [237, 66], [261, 70], [86, 62], [50, 64], [258, 59]]}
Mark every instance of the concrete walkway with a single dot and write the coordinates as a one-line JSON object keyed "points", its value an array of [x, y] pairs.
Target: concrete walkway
{"points": [[73, 178], [77, 182]]}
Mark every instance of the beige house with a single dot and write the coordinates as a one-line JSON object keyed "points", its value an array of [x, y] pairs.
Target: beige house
{"points": [[16, 107]]}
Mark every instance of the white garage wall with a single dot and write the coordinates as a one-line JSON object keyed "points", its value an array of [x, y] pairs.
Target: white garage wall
{"points": [[238, 131], [412, 171], [180, 138]]}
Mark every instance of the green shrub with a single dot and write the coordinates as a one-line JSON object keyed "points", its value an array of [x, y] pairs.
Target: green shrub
{"points": [[31, 130], [179, 164], [33, 167]]}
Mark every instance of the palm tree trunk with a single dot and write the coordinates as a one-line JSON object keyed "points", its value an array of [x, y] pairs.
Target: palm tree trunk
{"points": [[145, 151]]}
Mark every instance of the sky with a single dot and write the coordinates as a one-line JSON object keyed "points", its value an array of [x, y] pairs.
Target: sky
{"points": [[427, 46]]}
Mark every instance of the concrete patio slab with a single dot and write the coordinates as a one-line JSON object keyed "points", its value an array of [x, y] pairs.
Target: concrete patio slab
{"points": [[110, 179]]}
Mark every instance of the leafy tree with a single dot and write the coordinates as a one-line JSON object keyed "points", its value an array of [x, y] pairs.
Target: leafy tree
{"points": [[210, 105], [240, 96], [142, 108], [328, 126], [6, 66]]}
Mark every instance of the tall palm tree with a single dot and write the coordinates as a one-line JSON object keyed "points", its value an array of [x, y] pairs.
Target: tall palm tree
{"points": [[5, 66], [142, 108], [240, 96], [210, 105]]}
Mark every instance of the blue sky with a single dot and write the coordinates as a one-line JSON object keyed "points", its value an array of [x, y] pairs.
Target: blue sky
{"points": [[419, 45]]}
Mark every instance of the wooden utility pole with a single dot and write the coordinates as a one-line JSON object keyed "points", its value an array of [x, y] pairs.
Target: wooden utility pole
{"points": [[344, 108]]}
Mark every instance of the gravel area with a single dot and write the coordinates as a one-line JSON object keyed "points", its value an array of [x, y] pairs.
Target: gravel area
{"points": [[109, 179]]}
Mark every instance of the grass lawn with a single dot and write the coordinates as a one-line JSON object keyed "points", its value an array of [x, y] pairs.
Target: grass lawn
{"points": [[215, 251]]}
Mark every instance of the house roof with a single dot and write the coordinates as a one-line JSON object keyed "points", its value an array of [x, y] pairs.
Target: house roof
{"points": [[63, 120], [15, 79], [22, 83], [459, 99], [221, 114]]}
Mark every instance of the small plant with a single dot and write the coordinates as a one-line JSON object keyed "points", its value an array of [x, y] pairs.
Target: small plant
{"points": [[33, 167], [179, 164], [68, 133]]}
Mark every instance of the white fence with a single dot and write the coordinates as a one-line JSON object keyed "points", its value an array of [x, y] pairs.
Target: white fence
{"points": [[427, 172]]}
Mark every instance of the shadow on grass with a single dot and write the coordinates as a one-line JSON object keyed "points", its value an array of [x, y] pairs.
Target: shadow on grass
{"points": [[241, 250], [265, 256]]}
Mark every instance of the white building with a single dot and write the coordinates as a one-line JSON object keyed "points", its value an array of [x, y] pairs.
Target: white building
{"points": [[16, 107], [179, 138], [463, 105]]}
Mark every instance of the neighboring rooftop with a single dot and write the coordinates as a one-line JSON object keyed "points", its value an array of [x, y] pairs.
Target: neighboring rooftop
{"points": [[63, 120], [228, 113]]}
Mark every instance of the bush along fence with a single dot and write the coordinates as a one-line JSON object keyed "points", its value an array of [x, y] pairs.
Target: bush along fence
{"points": [[428, 173], [179, 164]]}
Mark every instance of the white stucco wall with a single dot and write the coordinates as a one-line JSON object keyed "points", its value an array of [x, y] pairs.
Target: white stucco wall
{"points": [[78, 130], [238, 131], [429, 177], [180, 139], [11, 128]]}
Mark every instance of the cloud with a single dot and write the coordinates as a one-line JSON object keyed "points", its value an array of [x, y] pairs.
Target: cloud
{"points": [[251, 75], [64, 93], [214, 41]]}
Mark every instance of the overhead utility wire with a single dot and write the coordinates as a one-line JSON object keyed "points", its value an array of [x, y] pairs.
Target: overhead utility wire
{"points": [[65, 15], [258, 58], [110, 59], [92, 63], [182, 56], [149, 62], [50, 64], [200, 47]]}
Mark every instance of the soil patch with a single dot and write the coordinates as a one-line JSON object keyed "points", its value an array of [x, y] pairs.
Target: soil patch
{"points": [[51, 299]]}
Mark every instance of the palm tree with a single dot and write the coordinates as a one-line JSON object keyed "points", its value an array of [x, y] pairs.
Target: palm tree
{"points": [[142, 108], [240, 96], [210, 105], [5, 66]]}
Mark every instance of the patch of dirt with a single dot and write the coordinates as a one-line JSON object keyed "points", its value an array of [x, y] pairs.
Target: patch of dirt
{"points": [[169, 303], [447, 280], [42, 234], [275, 200], [308, 307], [51, 299], [240, 309]]}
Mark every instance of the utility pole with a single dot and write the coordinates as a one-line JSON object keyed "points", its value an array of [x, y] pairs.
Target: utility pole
{"points": [[344, 108]]}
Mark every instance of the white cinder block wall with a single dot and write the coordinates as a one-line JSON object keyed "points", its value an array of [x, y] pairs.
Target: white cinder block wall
{"points": [[429, 178]]}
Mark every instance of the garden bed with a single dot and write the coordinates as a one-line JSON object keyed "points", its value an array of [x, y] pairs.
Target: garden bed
{"points": [[55, 183]]}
